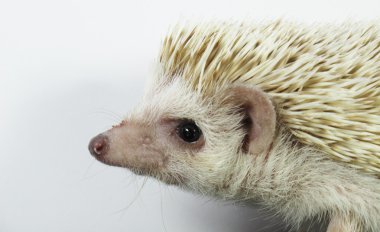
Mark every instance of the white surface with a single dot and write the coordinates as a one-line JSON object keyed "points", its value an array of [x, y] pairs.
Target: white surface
{"points": [[69, 70]]}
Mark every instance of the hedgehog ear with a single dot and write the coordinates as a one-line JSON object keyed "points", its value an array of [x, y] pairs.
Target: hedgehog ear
{"points": [[260, 121]]}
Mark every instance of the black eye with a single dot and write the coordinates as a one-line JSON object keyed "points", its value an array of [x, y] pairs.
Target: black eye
{"points": [[189, 132]]}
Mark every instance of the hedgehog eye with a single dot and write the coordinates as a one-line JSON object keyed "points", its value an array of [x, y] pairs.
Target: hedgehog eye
{"points": [[189, 132]]}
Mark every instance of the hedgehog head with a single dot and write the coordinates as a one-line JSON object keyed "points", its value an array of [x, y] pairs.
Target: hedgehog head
{"points": [[209, 110], [181, 137]]}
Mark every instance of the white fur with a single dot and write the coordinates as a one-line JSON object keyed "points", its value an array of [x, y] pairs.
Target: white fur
{"points": [[324, 82], [295, 180], [325, 79]]}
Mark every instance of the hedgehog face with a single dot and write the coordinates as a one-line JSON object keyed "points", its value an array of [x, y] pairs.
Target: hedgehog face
{"points": [[182, 138]]}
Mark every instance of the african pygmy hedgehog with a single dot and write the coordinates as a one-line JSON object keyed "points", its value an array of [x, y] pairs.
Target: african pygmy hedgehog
{"points": [[279, 113]]}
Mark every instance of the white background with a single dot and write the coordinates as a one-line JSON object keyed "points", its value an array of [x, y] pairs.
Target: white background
{"points": [[71, 69]]}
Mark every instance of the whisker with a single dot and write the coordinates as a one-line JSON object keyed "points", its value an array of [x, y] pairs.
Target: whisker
{"points": [[162, 208], [86, 176], [112, 115], [124, 209]]}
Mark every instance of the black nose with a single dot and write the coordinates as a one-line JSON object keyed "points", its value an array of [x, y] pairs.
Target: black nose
{"points": [[99, 145]]}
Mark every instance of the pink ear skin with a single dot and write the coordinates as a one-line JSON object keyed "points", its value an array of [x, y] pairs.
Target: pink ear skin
{"points": [[261, 118]]}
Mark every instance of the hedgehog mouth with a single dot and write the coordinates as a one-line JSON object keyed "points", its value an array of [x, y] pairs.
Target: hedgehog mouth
{"points": [[137, 167], [155, 171], [110, 162], [159, 174]]}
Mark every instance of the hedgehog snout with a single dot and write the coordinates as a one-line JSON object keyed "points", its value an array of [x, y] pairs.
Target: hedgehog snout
{"points": [[99, 146]]}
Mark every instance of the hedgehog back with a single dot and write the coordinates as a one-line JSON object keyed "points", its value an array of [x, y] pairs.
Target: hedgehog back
{"points": [[324, 79]]}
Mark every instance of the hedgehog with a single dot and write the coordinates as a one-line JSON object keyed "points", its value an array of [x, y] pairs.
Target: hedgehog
{"points": [[278, 113]]}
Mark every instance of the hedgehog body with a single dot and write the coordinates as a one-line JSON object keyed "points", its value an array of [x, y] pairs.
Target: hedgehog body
{"points": [[282, 114], [325, 79]]}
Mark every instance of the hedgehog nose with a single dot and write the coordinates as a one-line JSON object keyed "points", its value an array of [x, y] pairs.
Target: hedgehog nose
{"points": [[99, 145]]}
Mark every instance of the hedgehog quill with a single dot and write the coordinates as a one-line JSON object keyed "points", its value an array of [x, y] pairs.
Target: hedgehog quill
{"points": [[279, 113]]}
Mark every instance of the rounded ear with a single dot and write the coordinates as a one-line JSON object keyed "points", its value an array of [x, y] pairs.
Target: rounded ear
{"points": [[260, 117]]}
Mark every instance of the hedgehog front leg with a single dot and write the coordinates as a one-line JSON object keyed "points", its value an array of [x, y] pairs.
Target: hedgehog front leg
{"points": [[342, 224]]}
